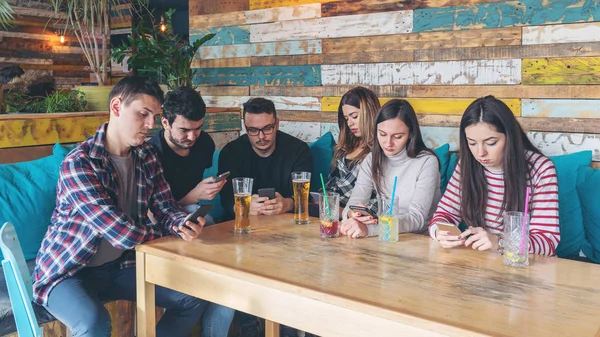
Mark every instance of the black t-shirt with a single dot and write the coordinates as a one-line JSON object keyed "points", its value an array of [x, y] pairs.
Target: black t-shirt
{"points": [[275, 171], [184, 173]]}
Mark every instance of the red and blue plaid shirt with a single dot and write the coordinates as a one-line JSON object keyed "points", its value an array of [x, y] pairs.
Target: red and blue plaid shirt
{"points": [[86, 212]]}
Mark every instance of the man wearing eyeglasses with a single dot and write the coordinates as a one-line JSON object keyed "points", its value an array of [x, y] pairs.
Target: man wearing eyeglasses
{"points": [[265, 154]]}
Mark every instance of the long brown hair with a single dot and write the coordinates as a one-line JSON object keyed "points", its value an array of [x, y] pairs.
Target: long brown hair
{"points": [[473, 185], [368, 103], [401, 109]]}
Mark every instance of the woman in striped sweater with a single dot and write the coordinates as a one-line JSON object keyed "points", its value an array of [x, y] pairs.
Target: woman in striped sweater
{"points": [[492, 177]]}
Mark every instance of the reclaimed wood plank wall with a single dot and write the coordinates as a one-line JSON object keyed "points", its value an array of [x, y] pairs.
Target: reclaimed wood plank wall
{"points": [[541, 57], [32, 41]]}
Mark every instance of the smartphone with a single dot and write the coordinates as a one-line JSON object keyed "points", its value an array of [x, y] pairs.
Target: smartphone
{"points": [[222, 176], [363, 211], [202, 211], [266, 192], [448, 227]]}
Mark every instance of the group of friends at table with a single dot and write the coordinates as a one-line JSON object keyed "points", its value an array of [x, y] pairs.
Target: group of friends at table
{"points": [[117, 190]]}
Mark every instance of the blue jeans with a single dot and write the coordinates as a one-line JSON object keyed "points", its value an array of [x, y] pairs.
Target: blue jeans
{"points": [[216, 320], [78, 301]]}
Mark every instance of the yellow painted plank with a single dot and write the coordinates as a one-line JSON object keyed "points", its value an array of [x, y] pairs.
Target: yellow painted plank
{"points": [[260, 4], [436, 106], [570, 70], [40, 131]]}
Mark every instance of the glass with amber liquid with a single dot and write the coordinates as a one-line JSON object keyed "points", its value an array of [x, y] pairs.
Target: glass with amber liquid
{"points": [[301, 186], [242, 195]]}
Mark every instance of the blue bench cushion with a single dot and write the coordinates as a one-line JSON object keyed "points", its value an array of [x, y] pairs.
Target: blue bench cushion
{"points": [[588, 185], [28, 197], [7, 320], [572, 233]]}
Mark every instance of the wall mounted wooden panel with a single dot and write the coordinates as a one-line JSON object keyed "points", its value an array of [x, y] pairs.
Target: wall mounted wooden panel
{"points": [[17, 130], [541, 57]]}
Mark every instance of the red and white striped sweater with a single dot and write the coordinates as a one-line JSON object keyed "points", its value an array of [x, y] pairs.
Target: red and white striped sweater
{"points": [[544, 232]]}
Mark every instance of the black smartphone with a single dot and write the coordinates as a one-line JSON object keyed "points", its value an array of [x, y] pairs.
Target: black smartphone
{"points": [[266, 192], [202, 211], [363, 211], [222, 176]]}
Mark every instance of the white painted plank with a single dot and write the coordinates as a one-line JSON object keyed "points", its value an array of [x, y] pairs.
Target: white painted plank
{"points": [[552, 144], [472, 72], [330, 127], [222, 138], [577, 32], [66, 50], [281, 102], [564, 108], [287, 13], [19, 60], [305, 131], [46, 37], [435, 136], [397, 22], [260, 49]]}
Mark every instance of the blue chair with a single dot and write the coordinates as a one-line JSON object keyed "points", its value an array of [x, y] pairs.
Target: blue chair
{"points": [[18, 280]]}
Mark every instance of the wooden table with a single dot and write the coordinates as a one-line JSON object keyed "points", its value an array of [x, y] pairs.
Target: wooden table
{"points": [[287, 274]]}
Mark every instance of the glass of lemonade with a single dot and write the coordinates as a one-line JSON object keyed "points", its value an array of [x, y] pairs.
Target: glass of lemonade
{"points": [[389, 225], [516, 240], [242, 195], [301, 186]]}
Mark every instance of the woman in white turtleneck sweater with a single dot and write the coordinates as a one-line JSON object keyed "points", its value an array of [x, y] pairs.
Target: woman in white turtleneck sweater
{"points": [[399, 152]]}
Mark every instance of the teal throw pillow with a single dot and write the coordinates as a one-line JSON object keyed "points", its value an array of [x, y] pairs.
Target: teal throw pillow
{"points": [[28, 197], [588, 185], [572, 234], [443, 154], [217, 211], [322, 154]]}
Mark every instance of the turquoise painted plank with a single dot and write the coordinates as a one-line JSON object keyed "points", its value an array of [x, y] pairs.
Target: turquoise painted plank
{"points": [[223, 35], [261, 49], [266, 76], [562, 108], [506, 14]]}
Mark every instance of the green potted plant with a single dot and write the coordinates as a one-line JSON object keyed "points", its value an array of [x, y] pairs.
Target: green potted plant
{"points": [[89, 23], [164, 56], [6, 13]]}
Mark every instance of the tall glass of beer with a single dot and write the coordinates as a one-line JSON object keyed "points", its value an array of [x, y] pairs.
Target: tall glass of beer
{"points": [[242, 195], [301, 186]]}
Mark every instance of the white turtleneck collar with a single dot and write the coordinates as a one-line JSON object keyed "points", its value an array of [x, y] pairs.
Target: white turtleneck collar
{"points": [[398, 158]]}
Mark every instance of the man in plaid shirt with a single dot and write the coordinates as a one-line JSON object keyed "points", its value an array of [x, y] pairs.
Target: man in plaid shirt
{"points": [[106, 186]]}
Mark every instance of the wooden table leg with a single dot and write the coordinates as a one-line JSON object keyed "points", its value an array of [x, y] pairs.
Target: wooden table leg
{"points": [[146, 319], [271, 329]]}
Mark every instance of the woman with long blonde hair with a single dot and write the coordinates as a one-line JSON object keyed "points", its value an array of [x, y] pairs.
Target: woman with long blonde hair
{"points": [[356, 115]]}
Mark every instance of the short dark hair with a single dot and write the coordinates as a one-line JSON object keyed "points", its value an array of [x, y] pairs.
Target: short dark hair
{"points": [[259, 105], [130, 87], [185, 102]]}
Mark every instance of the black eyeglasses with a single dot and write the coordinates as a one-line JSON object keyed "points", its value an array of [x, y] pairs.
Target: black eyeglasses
{"points": [[267, 130]]}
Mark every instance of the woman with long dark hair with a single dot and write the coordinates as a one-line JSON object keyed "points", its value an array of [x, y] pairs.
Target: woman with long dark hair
{"points": [[398, 152], [356, 116], [498, 163]]}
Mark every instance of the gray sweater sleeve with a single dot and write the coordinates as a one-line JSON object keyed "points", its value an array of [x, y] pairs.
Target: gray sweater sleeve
{"points": [[425, 197]]}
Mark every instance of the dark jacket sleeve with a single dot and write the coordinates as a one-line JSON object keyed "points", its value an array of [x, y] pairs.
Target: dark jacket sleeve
{"points": [[227, 163], [301, 163]]}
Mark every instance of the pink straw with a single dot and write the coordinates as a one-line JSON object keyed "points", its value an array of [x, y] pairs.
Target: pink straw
{"points": [[525, 217]]}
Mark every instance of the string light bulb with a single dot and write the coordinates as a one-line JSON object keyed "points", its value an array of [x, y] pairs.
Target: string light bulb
{"points": [[62, 39], [163, 27]]}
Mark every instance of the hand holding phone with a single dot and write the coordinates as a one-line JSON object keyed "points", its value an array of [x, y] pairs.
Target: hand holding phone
{"points": [[201, 211], [222, 176], [266, 192], [363, 211], [448, 227]]}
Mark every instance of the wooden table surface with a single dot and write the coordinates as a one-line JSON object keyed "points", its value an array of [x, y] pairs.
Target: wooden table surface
{"points": [[336, 287]]}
